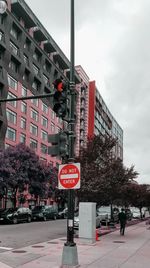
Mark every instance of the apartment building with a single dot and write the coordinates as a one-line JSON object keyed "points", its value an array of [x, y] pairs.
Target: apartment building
{"points": [[101, 121], [82, 109], [30, 61]]}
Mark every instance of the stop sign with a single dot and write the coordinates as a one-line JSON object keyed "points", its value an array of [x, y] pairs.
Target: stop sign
{"points": [[69, 176]]}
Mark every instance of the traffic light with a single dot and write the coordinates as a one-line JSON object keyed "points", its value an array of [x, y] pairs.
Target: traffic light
{"points": [[60, 101], [59, 143]]}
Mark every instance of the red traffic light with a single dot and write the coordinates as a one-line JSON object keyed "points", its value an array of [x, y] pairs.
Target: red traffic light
{"points": [[58, 85]]}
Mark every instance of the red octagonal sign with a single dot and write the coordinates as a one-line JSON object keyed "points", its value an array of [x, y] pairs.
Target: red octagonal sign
{"points": [[69, 176]]}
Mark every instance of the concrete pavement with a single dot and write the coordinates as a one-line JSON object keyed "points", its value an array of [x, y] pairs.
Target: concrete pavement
{"points": [[111, 251]]}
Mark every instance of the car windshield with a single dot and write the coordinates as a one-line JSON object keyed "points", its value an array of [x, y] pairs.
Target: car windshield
{"points": [[103, 210], [9, 210], [38, 208]]}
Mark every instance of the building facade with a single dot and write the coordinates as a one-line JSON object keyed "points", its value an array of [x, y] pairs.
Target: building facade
{"points": [[101, 121], [30, 61], [82, 109]]}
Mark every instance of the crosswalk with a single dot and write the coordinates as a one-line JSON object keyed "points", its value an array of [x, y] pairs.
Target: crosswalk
{"points": [[5, 248]]}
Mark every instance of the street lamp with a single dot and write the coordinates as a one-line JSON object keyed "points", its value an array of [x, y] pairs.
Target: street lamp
{"points": [[3, 6]]}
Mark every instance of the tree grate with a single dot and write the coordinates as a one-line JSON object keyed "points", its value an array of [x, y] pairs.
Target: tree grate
{"points": [[37, 246], [19, 251], [118, 241]]}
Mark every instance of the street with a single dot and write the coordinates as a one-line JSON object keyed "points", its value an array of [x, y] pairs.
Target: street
{"points": [[25, 234], [111, 251]]}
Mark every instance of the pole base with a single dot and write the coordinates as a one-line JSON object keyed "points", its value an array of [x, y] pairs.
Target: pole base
{"points": [[70, 257]]}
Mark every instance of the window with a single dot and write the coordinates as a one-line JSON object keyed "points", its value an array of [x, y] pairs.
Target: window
{"points": [[35, 69], [45, 78], [52, 127], [13, 65], [34, 115], [26, 60], [36, 56], [11, 134], [7, 145], [36, 85], [23, 107], [12, 96], [43, 160], [53, 115], [57, 129], [44, 135], [44, 108], [24, 92], [59, 120], [22, 138], [44, 121], [11, 116], [27, 44], [33, 144], [43, 148], [14, 32], [12, 82], [33, 129], [1, 35], [14, 48], [35, 102], [23, 123], [26, 75], [47, 66]]}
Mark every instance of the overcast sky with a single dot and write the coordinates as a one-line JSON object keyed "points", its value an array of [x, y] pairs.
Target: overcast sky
{"points": [[112, 44]]}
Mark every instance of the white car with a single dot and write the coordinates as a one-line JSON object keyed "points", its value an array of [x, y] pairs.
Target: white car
{"points": [[76, 221], [136, 214]]}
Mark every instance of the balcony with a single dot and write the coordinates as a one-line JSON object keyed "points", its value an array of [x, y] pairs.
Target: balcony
{"points": [[49, 47], [38, 35], [82, 106], [22, 11], [82, 126], [61, 61]]}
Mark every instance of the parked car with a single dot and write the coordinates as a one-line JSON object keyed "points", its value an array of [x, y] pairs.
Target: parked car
{"points": [[44, 213], [62, 214], [76, 220], [129, 214], [16, 215], [104, 213]]}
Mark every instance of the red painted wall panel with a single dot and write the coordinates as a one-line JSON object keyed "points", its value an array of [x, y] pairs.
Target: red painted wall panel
{"points": [[92, 91]]}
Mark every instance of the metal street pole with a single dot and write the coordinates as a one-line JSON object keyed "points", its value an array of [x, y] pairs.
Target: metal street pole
{"points": [[70, 256]]}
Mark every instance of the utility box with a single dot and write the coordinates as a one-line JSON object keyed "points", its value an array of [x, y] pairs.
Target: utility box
{"points": [[87, 222]]}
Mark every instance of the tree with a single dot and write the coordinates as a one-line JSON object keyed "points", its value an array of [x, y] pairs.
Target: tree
{"points": [[25, 169], [93, 159], [114, 176], [102, 175], [136, 195]]}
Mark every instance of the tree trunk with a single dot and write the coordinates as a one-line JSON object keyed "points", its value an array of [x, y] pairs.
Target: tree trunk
{"points": [[141, 212], [111, 210], [6, 195], [15, 198]]}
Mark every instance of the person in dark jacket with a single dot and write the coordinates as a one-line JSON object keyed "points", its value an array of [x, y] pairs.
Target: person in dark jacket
{"points": [[122, 220]]}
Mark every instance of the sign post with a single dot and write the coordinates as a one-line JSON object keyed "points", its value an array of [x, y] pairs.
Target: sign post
{"points": [[69, 176]]}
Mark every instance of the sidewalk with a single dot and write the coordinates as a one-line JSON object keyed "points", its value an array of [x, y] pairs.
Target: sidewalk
{"points": [[111, 251]]}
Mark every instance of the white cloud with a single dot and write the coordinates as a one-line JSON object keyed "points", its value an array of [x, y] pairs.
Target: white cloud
{"points": [[113, 46]]}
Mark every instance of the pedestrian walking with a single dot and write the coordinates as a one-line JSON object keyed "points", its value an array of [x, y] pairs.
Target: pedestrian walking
{"points": [[122, 220]]}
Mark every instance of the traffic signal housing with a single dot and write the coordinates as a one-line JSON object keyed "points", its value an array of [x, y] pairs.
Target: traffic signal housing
{"points": [[60, 98], [59, 144]]}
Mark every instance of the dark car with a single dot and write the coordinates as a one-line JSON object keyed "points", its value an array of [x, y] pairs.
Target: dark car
{"points": [[44, 213], [15, 215]]}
